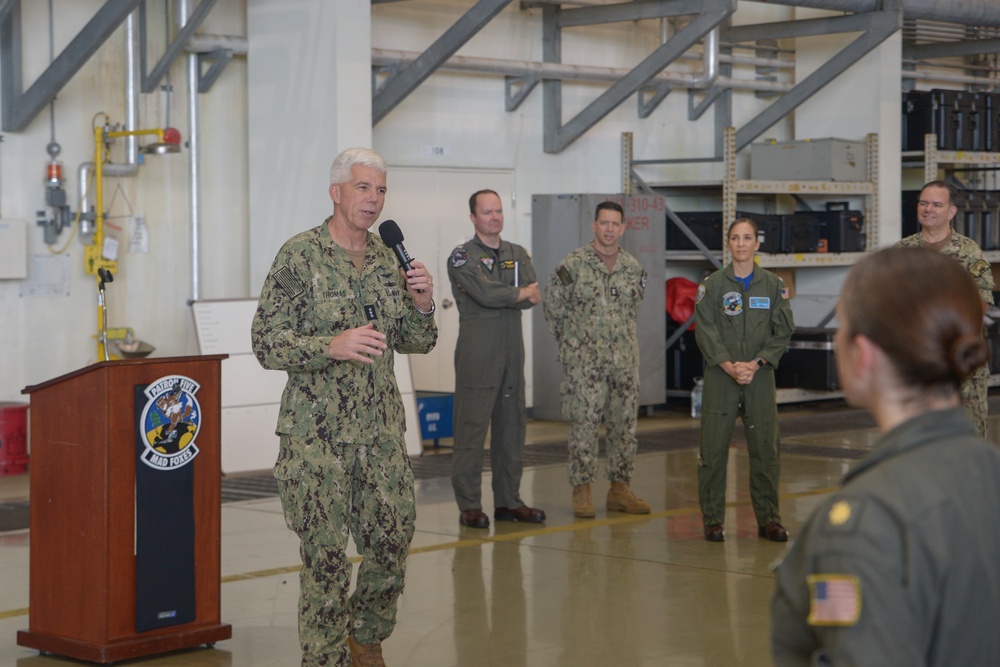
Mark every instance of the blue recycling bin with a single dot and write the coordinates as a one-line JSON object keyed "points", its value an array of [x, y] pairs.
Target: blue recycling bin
{"points": [[435, 412]]}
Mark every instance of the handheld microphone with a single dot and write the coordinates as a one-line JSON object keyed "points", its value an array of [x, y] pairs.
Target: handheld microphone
{"points": [[392, 236]]}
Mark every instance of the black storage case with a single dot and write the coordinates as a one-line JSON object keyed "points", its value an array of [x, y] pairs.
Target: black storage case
{"points": [[770, 233], [809, 362], [684, 360], [708, 227], [908, 208], [843, 229], [991, 123], [956, 117], [803, 231]]}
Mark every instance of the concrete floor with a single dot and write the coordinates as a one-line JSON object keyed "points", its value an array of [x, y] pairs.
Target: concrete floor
{"points": [[615, 590]]}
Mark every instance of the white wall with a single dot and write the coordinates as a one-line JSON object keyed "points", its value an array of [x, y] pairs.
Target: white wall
{"points": [[47, 336], [249, 149]]}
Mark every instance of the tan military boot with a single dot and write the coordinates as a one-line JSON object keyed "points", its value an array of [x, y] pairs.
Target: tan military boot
{"points": [[365, 655], [621, 499], [583, 503]]}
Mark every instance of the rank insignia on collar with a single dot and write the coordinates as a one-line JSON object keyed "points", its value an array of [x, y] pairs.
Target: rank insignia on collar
{"points": [[840, 513]]}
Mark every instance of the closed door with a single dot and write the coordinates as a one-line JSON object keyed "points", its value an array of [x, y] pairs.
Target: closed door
{"points": [[431, 207]]}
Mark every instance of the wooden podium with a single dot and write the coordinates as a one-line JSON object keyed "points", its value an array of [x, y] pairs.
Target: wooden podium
{"points": [[94, 432]]}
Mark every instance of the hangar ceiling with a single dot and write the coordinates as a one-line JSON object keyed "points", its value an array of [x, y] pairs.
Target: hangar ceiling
{"points": [[933, 32]]}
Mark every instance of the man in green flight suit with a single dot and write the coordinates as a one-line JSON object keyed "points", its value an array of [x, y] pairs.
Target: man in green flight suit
{"points": [[935, 210], [492, 281], [333, 309], [591, 305]]}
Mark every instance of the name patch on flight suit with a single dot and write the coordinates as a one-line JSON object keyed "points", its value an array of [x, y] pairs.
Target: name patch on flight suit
{"points": [[732, 303], [760, 302], [488, 263], [508, 264]]}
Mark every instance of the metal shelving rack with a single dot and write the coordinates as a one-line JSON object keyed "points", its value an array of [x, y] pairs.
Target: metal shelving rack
{"points": [[731, 187], [933, 159]]}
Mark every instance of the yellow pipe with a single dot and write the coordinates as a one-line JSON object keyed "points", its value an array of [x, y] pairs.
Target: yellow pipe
{"points": [[100, 137]]}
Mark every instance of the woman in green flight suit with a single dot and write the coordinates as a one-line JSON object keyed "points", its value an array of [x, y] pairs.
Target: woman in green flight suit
{"points": [[744, 325]]}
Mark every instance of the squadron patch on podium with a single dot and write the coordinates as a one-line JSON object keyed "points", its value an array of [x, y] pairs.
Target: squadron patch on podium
{"points": [[170, 422]]}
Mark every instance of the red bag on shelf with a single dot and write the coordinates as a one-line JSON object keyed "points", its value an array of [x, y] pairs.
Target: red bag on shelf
{"points": [[681, 294]]}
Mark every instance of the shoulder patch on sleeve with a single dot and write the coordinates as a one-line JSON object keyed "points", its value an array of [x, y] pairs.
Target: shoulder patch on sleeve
{"points": [[288, 282], [834, 600], [459, 257], [701, 293], [979, 267], [564, 276]]}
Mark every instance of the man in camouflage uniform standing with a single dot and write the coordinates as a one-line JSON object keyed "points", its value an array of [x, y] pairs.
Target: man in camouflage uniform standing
{"points": [[591, 305], [492, 281], [333, 309], [935, 211]]}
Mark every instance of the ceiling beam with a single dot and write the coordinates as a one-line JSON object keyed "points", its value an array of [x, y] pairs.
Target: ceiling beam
{"points": [[19, 109], [398, 86]]}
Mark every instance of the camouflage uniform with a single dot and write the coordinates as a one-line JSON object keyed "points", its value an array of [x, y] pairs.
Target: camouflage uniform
{"points": [[906, 546], [740, 325], [975, 389], [489, 369], [592, 314], [342, 467]]}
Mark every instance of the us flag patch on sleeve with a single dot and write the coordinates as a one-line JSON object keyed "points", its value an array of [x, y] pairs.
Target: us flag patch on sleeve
{"points": [[288, 282], [834, 599]]}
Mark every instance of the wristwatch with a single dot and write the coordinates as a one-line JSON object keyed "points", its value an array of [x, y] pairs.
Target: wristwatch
{"points": [[427, 313], [761, 362]]}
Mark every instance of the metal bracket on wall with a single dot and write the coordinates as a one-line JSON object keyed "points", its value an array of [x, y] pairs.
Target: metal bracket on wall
{"points": [[149, 82], [517, 89], [217, 61], [397, 87], [657, 93], [706, 14], [20, 107]]}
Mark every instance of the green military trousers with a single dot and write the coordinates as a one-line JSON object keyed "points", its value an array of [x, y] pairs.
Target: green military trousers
{"points": [[591, 395], [489, 396], [975, 397], [722, 402], [331, 491]]}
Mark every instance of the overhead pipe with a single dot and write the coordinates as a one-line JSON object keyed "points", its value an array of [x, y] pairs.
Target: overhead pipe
{"points": [[562, 71], [968, 12], [131, 164], [710, 55], [193, 74]]}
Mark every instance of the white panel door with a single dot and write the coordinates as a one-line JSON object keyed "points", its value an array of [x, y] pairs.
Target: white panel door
{"points": [[431, 207]]}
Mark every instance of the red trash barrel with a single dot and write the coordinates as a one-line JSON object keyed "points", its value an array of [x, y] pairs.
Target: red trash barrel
{"points": [[13, 438]]}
